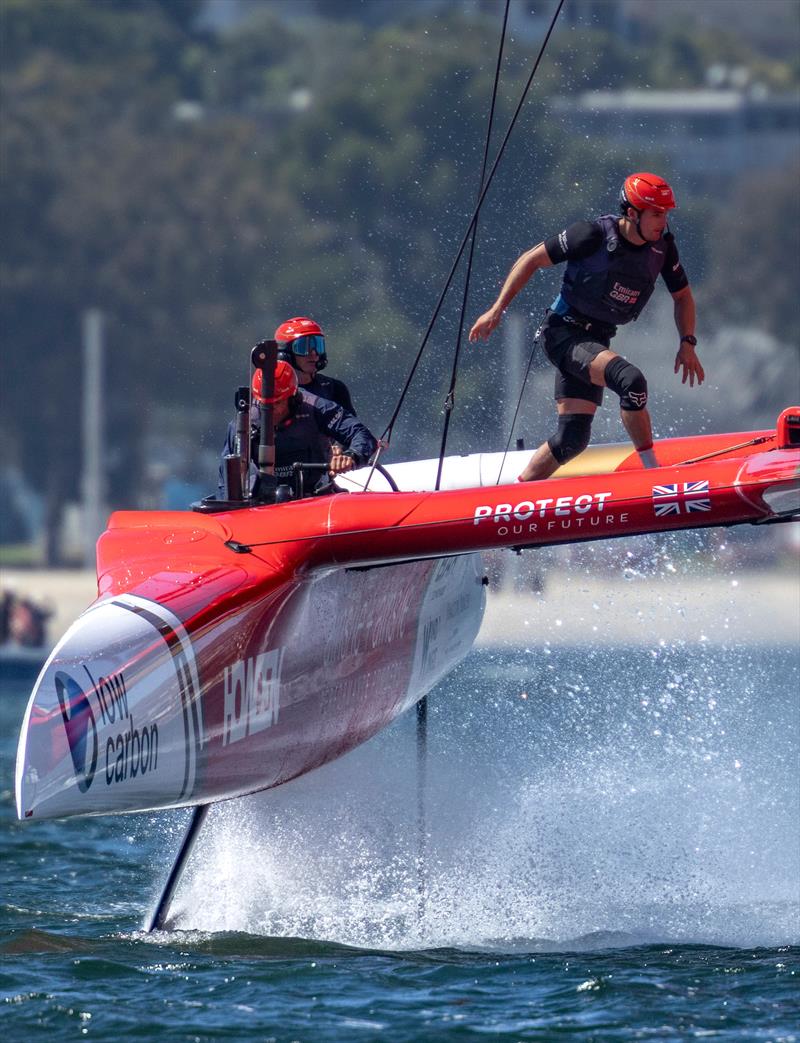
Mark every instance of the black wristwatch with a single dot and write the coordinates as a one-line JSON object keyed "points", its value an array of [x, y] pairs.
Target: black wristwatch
{"points": [[690, 339]]}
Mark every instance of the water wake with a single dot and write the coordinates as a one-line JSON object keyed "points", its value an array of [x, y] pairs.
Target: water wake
{"points": [[580, 798]]}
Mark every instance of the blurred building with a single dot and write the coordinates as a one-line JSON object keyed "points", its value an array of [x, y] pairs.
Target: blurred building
{"points": [[532, 20], [526, 19], [711, 133]]}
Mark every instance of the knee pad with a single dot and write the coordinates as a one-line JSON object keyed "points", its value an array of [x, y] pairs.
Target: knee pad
{"points": [[572, 437], [628, 382]]}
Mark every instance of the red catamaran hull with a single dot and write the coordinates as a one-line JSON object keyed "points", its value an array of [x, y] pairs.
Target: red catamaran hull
{"points": [[231, 653]]}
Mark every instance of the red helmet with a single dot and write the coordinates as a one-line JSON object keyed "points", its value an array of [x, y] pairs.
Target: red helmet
{"points": [[285, 384], [298, 336], [646, 192], [299, 327]]}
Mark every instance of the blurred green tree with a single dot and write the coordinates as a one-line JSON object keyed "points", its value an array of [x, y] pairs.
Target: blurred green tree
{"points": [[324, 166], [754, 258]]}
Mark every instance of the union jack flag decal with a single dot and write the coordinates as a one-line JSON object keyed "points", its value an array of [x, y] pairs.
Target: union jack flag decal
{"points": [[681, 498]]}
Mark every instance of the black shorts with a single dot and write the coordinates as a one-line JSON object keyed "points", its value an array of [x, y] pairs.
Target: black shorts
{"points": [[571, 350]]}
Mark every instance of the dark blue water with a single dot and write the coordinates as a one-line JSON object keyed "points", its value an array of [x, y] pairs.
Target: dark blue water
{"points": [[612, 854]]}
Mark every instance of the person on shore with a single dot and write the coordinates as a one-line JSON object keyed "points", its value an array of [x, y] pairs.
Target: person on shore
{"points": [[304, 426], [613, 264], [23, 622]]}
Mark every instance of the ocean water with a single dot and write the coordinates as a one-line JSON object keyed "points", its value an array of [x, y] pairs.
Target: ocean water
{"points": [[611, 852]]}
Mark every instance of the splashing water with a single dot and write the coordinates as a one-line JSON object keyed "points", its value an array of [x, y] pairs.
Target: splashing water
{"points": [[582, 794]]}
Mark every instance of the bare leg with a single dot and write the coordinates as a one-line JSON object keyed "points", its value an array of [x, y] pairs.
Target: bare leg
{"points": [[542, 464], [636, 422], [639, 428]]}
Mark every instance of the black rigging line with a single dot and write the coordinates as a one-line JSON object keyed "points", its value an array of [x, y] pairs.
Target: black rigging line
{"points": [[519, 403], [449, 401], [386, 436], [728, 449], [422, 705]]}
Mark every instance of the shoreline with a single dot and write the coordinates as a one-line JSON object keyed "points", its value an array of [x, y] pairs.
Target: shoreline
{"points": [[573, 608], [755, 608]]}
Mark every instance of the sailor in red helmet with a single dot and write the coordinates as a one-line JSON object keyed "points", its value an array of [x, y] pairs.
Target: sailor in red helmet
{"points": [[301, 343], [304, 426], [613, 264]]}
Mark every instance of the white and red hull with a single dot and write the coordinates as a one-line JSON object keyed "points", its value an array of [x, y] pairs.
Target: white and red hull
{"points": [[230, 653], [135, 710]]}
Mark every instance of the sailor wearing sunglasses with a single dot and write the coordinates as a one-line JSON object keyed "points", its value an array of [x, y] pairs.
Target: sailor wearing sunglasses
{"points": [[301, 343]]}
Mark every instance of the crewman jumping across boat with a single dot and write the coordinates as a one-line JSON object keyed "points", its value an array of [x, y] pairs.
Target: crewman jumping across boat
{"points": [[613, 264]]}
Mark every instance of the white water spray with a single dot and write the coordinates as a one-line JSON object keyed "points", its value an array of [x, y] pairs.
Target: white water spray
{"points": [[647, 795]]}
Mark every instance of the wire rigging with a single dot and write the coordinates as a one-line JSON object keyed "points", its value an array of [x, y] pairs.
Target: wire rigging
{"points": [[449, 402], [519, 403], [422, 705], [386, 436]]}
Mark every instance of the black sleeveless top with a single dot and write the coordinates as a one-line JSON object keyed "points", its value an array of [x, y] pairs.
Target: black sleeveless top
{"points": [[608, 279]]}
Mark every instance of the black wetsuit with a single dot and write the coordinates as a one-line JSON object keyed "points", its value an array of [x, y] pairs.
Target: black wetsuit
{"points": [[334, 390], [304, 437], [607, 283]]}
